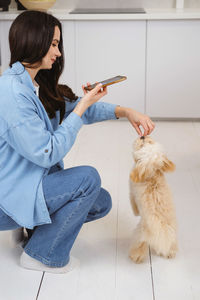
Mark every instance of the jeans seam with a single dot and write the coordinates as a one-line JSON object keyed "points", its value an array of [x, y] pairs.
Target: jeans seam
{"points": [[47, 259], [65, 194], [60, 263], [80, 198], [64, 225]]}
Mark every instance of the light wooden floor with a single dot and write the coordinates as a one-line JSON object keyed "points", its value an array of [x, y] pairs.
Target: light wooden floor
{"points": [[106, 272]]}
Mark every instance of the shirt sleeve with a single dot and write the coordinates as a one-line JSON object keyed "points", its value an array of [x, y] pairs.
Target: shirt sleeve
{"points": [[100, 111], [32, 140]]}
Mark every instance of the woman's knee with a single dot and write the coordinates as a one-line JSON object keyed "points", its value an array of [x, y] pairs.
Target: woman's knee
{"points": [[103, 202], [92, 178], [106, 200], [101, 207]]}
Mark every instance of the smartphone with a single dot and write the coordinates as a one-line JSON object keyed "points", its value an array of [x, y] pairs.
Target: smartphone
{"points": [[106, 82]]}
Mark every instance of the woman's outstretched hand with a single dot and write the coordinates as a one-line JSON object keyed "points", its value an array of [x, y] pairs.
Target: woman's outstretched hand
{"points": [[136, 119], [89, 98]]}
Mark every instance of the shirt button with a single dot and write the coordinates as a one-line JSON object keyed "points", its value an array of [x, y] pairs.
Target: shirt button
{"points": [[46, 150]]}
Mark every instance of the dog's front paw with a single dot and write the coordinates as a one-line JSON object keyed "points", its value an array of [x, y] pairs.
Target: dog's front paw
{"points": [[172, 252], [136, 257], [171, 255], [139, 254]]}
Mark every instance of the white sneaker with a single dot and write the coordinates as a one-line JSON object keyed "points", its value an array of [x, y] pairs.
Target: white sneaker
{"points": [[27, 262]]}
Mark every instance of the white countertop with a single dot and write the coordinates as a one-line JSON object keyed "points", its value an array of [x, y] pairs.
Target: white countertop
{"points": [[151, 14]]}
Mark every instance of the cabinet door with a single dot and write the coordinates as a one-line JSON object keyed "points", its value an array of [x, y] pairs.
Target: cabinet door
{"points": [[4, 44], [105, 49], [173, 69]]}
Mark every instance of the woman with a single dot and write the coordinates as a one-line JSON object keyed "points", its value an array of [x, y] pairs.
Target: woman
{"points": [[35, 135]]}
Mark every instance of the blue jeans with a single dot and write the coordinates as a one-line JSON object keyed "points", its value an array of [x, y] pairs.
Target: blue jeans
{"points": [[73, 196]]}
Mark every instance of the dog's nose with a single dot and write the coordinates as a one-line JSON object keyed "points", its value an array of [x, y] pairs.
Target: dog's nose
{"points": [[142, 137]]}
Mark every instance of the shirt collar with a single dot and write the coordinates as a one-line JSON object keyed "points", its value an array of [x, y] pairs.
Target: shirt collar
{"points": [[18, 69]]}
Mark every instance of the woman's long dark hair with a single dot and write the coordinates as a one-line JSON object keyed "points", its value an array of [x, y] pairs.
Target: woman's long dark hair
{"points": [[30, 38]]}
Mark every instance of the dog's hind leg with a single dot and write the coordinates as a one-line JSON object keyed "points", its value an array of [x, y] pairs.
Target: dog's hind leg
{"points": [[139, 247], [173, 250], [164, 241]]}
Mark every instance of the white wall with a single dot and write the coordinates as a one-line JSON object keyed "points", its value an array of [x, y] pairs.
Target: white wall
{"points": [[70, 4], [114, 3], [192, 3]]}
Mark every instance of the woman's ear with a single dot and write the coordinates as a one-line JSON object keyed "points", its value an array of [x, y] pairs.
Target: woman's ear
{"points": [[168, 165]]}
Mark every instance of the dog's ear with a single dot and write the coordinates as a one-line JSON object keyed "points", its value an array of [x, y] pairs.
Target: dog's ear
{"points": [[168, 165], [139, 174]]}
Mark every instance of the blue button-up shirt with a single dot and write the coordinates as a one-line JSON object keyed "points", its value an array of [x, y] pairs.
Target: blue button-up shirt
{"points": [[31, 143]]}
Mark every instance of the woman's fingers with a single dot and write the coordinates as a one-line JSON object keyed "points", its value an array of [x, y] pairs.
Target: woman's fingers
{"points": [[147, 125], [140, 122], [97, 89], [84, 91], [83, 88], [151, 126], [105, 90], [137, 128]]}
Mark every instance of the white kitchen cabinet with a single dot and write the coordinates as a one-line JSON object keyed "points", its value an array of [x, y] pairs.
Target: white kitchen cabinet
{"points": [[161, 59], [4, 43], [109, 48], [173, 69]]}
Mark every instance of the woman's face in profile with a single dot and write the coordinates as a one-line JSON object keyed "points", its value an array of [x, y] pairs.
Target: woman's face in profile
{"points": [[53, 52]]}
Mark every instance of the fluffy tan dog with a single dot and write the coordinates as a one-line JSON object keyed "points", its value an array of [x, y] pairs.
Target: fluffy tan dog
{"points": [[151, 199]]}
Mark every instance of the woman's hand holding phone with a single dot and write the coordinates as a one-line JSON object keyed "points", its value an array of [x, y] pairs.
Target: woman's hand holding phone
{"points": [[95, 94], [89, 98]]}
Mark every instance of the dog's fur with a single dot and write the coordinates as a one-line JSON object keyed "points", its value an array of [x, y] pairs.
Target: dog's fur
{"points": [[151, 200]]}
